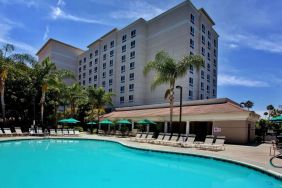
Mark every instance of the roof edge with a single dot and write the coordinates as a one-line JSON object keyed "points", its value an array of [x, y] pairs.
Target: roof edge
{"points": [[102, 37], [57, 41], [202, 10]]}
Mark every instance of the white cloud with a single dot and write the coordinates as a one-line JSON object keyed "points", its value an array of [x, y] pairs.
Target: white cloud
{"points": [[137, 9], [46, 33], [232, 80], [61, 3], [272, 43], [28, 3], [7, 26], [58, 13]]}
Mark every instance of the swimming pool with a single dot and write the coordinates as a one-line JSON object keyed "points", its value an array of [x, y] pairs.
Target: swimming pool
{"points": [[85, 163]]}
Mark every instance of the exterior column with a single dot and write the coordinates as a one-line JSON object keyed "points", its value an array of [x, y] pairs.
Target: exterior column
{"points": [[148, 128], [132, 126], [187, 127], [165, 127]]}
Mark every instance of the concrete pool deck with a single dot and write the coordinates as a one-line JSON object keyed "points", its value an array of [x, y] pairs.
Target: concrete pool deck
{"points": [[256, 156]]}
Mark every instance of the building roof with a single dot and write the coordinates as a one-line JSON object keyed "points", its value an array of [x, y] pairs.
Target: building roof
{"points": [[210, 106], [59, 42], [101, 38], [202, 10]]}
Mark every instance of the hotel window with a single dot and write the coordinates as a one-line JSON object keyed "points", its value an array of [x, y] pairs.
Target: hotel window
{"points": [[130, 98], [132, 55], [131, 87], [105, 47], [214, 72], [79, 62], [90, 71], [121, 100], [122, 79], [79, 83], [209, 34], [192, 18], [131, 76], [104, 74], [121, 89], [191, 82], [132, 44], [214, 43], [84, 60], [112, 44], [131, 65], [79, 77], [104, 84], [214, 62], [208, 78], [203, 51], [203, 40], [95, 69], [209, 45], [208, 67], [111, 72], [192, 31], [95, 85], [84, 67], [203, 28], [122, 68], [96, 52], [214, 82], [79, 69], [202, 96], [208, 89], [90, 64], [133, 33], [90, 56], [190, 94], [104, 65], [96, 61], [209, 57], [83, 82], [191, 43], [95, 78], [191, 53], [110, 82], [202, 86], [214, 52], [191, 69], [123, 58], [111, 53], [110, 90], [123, 48], [104, 56], [202, 74], [213, 92], [89, 80], [123, 38], [111, 62]]}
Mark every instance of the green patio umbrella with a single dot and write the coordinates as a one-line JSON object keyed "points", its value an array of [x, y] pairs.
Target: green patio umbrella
{"points": [[106, 122], [146, 122], [124, 122], [277, 119], [68, 120], [91, 123]]}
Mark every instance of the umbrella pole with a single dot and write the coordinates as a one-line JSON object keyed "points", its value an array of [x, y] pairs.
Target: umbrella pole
{"points": [[148, 128]]}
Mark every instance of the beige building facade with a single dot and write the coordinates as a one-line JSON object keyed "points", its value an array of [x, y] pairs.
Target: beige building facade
{"points": [[116, 60]]}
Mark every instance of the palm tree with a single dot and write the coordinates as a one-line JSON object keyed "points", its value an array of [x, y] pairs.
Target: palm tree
{"points": [[48, 75], [168, 70], [99, 99], [75, 96], [248, 104]]}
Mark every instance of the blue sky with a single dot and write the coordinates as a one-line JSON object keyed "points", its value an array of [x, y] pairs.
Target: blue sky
{"points": [[250, 43]]}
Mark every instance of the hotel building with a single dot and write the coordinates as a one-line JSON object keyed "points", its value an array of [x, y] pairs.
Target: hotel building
{"points": [[116, 60]]}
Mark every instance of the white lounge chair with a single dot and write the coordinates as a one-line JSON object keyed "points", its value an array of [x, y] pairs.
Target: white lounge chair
{"points": [[8, 132], [59, 132], [142, 137], [189, 143], [53, 132], [31, 131], [207, 144], [172, 141], [218, 144], [76, 132], [65, 132], [18, 131], [158, 140], [149, 137], [165, 139], [71, 132], [1, 132], [39, 131], [138, 135]]}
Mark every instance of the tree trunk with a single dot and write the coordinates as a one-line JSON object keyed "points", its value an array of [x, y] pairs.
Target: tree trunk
{"points": [[98, 112], [3, 102], [198, 91], [42, 107], [171, 106]]}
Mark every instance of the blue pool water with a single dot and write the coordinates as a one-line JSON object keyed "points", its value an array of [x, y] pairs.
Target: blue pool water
{"points": [[98, 164]]}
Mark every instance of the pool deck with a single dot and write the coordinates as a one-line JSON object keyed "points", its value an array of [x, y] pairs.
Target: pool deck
{"points": [[256, 156]]}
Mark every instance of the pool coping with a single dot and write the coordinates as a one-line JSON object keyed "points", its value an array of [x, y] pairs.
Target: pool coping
{"points": [[271, 173]]}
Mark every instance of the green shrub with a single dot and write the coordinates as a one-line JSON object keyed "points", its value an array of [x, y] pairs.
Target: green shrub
{"points": [[80, 129]]}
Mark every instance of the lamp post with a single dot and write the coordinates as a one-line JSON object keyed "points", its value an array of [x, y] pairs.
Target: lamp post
{"points": [[180, 112]]}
